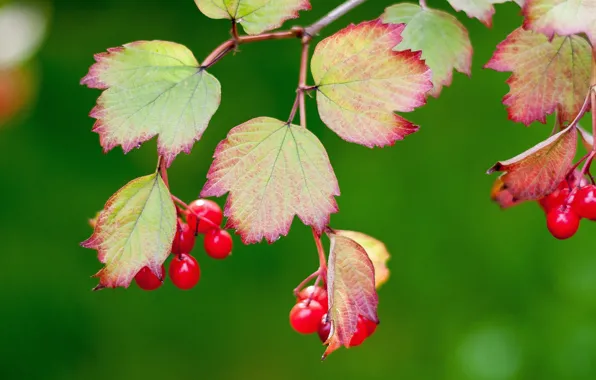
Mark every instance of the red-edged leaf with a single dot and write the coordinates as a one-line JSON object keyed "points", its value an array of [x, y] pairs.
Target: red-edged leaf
{"points": [[562, 17], [273, 171], [501, 195], [361, 82], [587, 138], [483, 10], [134, 230], [547, 74], [351, 290], [538, 171]]}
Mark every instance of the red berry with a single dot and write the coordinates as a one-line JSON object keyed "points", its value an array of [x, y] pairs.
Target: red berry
{"points": [[204, 215], [584, 203], [370, 326], [562, 222], [324, 329], [320, 295], [185, 271], [305, 317], [146, 280], [361, 333], [555, 199], [218, 243], [184, 241]]}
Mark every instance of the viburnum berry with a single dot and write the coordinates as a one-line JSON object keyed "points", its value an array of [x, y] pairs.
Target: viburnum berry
{"points": [[361, 333], [320, 295], [324, 329], [556, 198], [146, 280], [184, 241], [584, 203], [218, 243], [184, 271], [371, 326], [203, 215], [305, 316], [562, 222]]}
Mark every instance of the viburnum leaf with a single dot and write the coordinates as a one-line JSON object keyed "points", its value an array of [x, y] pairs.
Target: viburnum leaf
{"points": [[546, 75], [273, 171], [351, 290], [501, 194], [135, 229], [443, 40], [376, 250], [152, 87], [483, 10], [587, 138], [361, 81], [562, 17], [539, 170], [256, 16]]}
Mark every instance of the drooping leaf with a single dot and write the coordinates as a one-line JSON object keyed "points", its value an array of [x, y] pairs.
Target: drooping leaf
{"points": [[151, 88], [376, 250], [361, 82], [351, 290], [256, 16], [501, 195], [587, 138], [539, 170], [135, 229], [562, 17], [273, 171], [546, 75], [483, 10], [443, 40]]}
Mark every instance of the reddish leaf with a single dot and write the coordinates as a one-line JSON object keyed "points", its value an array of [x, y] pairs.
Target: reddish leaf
{"points": [[500, 194], [562, 17], [351, 290], [538, 171], [547, 74], [587, 138], [483, 10]]}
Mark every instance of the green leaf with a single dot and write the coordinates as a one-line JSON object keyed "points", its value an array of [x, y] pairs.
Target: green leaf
{"points": [[151, 88], [351, 290], [562, 17], [361, 82], [256, 16], [538, 171], [135, 229], [443, 40], [483, 10], [273, 171]]}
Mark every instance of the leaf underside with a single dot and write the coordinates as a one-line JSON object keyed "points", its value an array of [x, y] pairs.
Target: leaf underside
{"points": [[135, 229], [538, 171], [483, 10], [546, 75], [351, 290], [273, 171], [256, 16], [152, 88], [562, 17], [443, 40], [361, 82]]}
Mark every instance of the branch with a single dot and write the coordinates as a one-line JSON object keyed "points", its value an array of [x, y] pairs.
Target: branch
{"points": [[322, 258], [302, 80], [341, 10], [163, 170]]}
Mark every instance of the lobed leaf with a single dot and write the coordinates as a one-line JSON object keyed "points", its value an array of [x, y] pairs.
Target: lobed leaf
{"points": [[443, 40], [562, 17], [483, 10], [539, 170], [547, 74], [135, 229], [361, 81], [351, 290], [376, 251], [256, 16], [273, 171], [152, 88]]}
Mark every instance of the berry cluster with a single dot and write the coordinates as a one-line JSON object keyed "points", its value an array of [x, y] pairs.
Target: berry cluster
{"points": [[566, 206], [202, 217], [309, 316]]}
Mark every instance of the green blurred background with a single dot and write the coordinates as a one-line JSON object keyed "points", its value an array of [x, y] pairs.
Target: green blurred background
{"points": [[475, 293]]}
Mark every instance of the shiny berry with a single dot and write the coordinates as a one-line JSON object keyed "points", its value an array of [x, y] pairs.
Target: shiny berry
{"points": [[584, 203], [361, 333], [371, 326], [324, 329], [218, 243], [320, 295], [204, 215], [562, 222], [184, 271], [184, 241], [305, 316], [146, 280], [555, 199]]}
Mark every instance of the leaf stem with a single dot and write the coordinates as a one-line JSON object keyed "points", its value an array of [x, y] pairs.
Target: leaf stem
{"points": [[163, 170], [302, 79], [582, 110], [179, 201], [321, 252], [234, 31], [423, 4], [305, 281], [332, 16]]}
